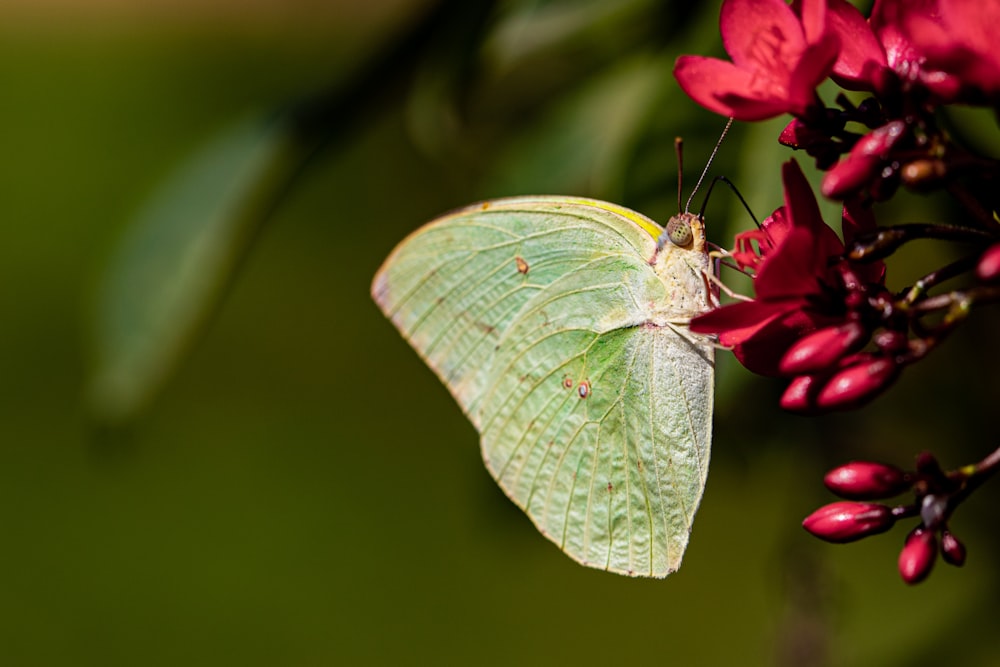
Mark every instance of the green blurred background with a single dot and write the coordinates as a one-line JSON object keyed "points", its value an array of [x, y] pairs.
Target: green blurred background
{"points": [[301, 490]]}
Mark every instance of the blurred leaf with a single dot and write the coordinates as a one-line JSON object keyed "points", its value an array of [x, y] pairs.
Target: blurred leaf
{"points": [[976, 127], [530, 29], [581, 143], [176, 259]]}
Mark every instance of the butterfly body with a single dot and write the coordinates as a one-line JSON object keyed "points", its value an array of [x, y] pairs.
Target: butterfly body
{"points": [[557, 323]]}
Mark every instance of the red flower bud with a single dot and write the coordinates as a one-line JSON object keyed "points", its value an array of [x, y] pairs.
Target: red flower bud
{"points": [[864, 480], [952, 550], [928, 466], [864, 162], [923, 174], [846, 521], [821, 349], [857, 383], [891, 341], [988, 268], [800, 396], [917, 557]]}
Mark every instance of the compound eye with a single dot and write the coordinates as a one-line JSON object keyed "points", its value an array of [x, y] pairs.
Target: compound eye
{"points": [[679, 231]]}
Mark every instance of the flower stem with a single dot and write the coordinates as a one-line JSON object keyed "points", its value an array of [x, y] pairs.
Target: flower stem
{"points": [[977, 473]]}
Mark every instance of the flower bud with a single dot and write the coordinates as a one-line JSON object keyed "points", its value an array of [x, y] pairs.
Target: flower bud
{"points": [[928, 466], [800, 395], [891, 341], [847, 521], [864, 162], [923, 174], [865, 480], [858, 383], [819, 350], [952, 550], [917, 557], [934, 510], [988, 268]]}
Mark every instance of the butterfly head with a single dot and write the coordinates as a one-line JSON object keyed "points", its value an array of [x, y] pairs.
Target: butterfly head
{"points": [[684, 230]]}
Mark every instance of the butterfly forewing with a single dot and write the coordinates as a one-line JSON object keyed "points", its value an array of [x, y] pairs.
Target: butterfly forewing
{"points": [[453, 287], [548, 323]]}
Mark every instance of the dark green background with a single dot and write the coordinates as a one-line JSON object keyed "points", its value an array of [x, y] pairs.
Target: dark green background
{"points": [[303, 491]]}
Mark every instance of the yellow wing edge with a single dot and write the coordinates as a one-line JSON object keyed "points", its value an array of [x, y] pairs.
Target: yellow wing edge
{"points": [[646, 224]]}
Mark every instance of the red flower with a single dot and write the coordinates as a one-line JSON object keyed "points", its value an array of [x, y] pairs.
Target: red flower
{"points": [[800, 282], [779, 57], [960, 40], [892, 47], [862, 62]]}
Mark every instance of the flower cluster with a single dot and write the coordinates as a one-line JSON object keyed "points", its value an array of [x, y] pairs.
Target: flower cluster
{"points": [[814, 309], [936, 495], [912, 57], [822, 315]]}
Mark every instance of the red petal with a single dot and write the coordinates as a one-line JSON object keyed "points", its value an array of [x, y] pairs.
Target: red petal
{"points": [[761, 35], [804, 212], [726, 89], [790, 271], [861, 54], [813, 15], [737, 321], [962, 42], [887, 21], [762, 352], [776, 226]]}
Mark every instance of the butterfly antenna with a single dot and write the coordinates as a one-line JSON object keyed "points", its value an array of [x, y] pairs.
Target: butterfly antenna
{"points": [[708, 164], [739, 195], [679, 150]]}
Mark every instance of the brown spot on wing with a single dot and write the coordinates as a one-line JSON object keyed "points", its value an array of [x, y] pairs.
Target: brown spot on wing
{"points": [[522, 266]]}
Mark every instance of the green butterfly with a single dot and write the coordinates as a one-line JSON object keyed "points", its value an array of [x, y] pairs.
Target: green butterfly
{"points": [[558, 324]]}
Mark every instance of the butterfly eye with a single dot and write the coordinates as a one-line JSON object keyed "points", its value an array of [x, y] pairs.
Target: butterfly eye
{"points": [[679, 231]]}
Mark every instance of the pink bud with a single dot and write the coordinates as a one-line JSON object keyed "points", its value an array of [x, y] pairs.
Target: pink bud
{"points": [[849, 175], [917, 557], [864, 162], [800, 396], [988, 268], [891, 341], [821, 349], [952, 550], [865, 480], [858, 383], [847, 521], [927, 465]]}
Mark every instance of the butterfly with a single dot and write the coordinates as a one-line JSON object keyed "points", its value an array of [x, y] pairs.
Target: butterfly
{"points": [[557, 323]]}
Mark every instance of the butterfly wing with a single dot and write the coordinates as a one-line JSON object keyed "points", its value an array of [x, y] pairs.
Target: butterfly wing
{"points": [[552, 325]]}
